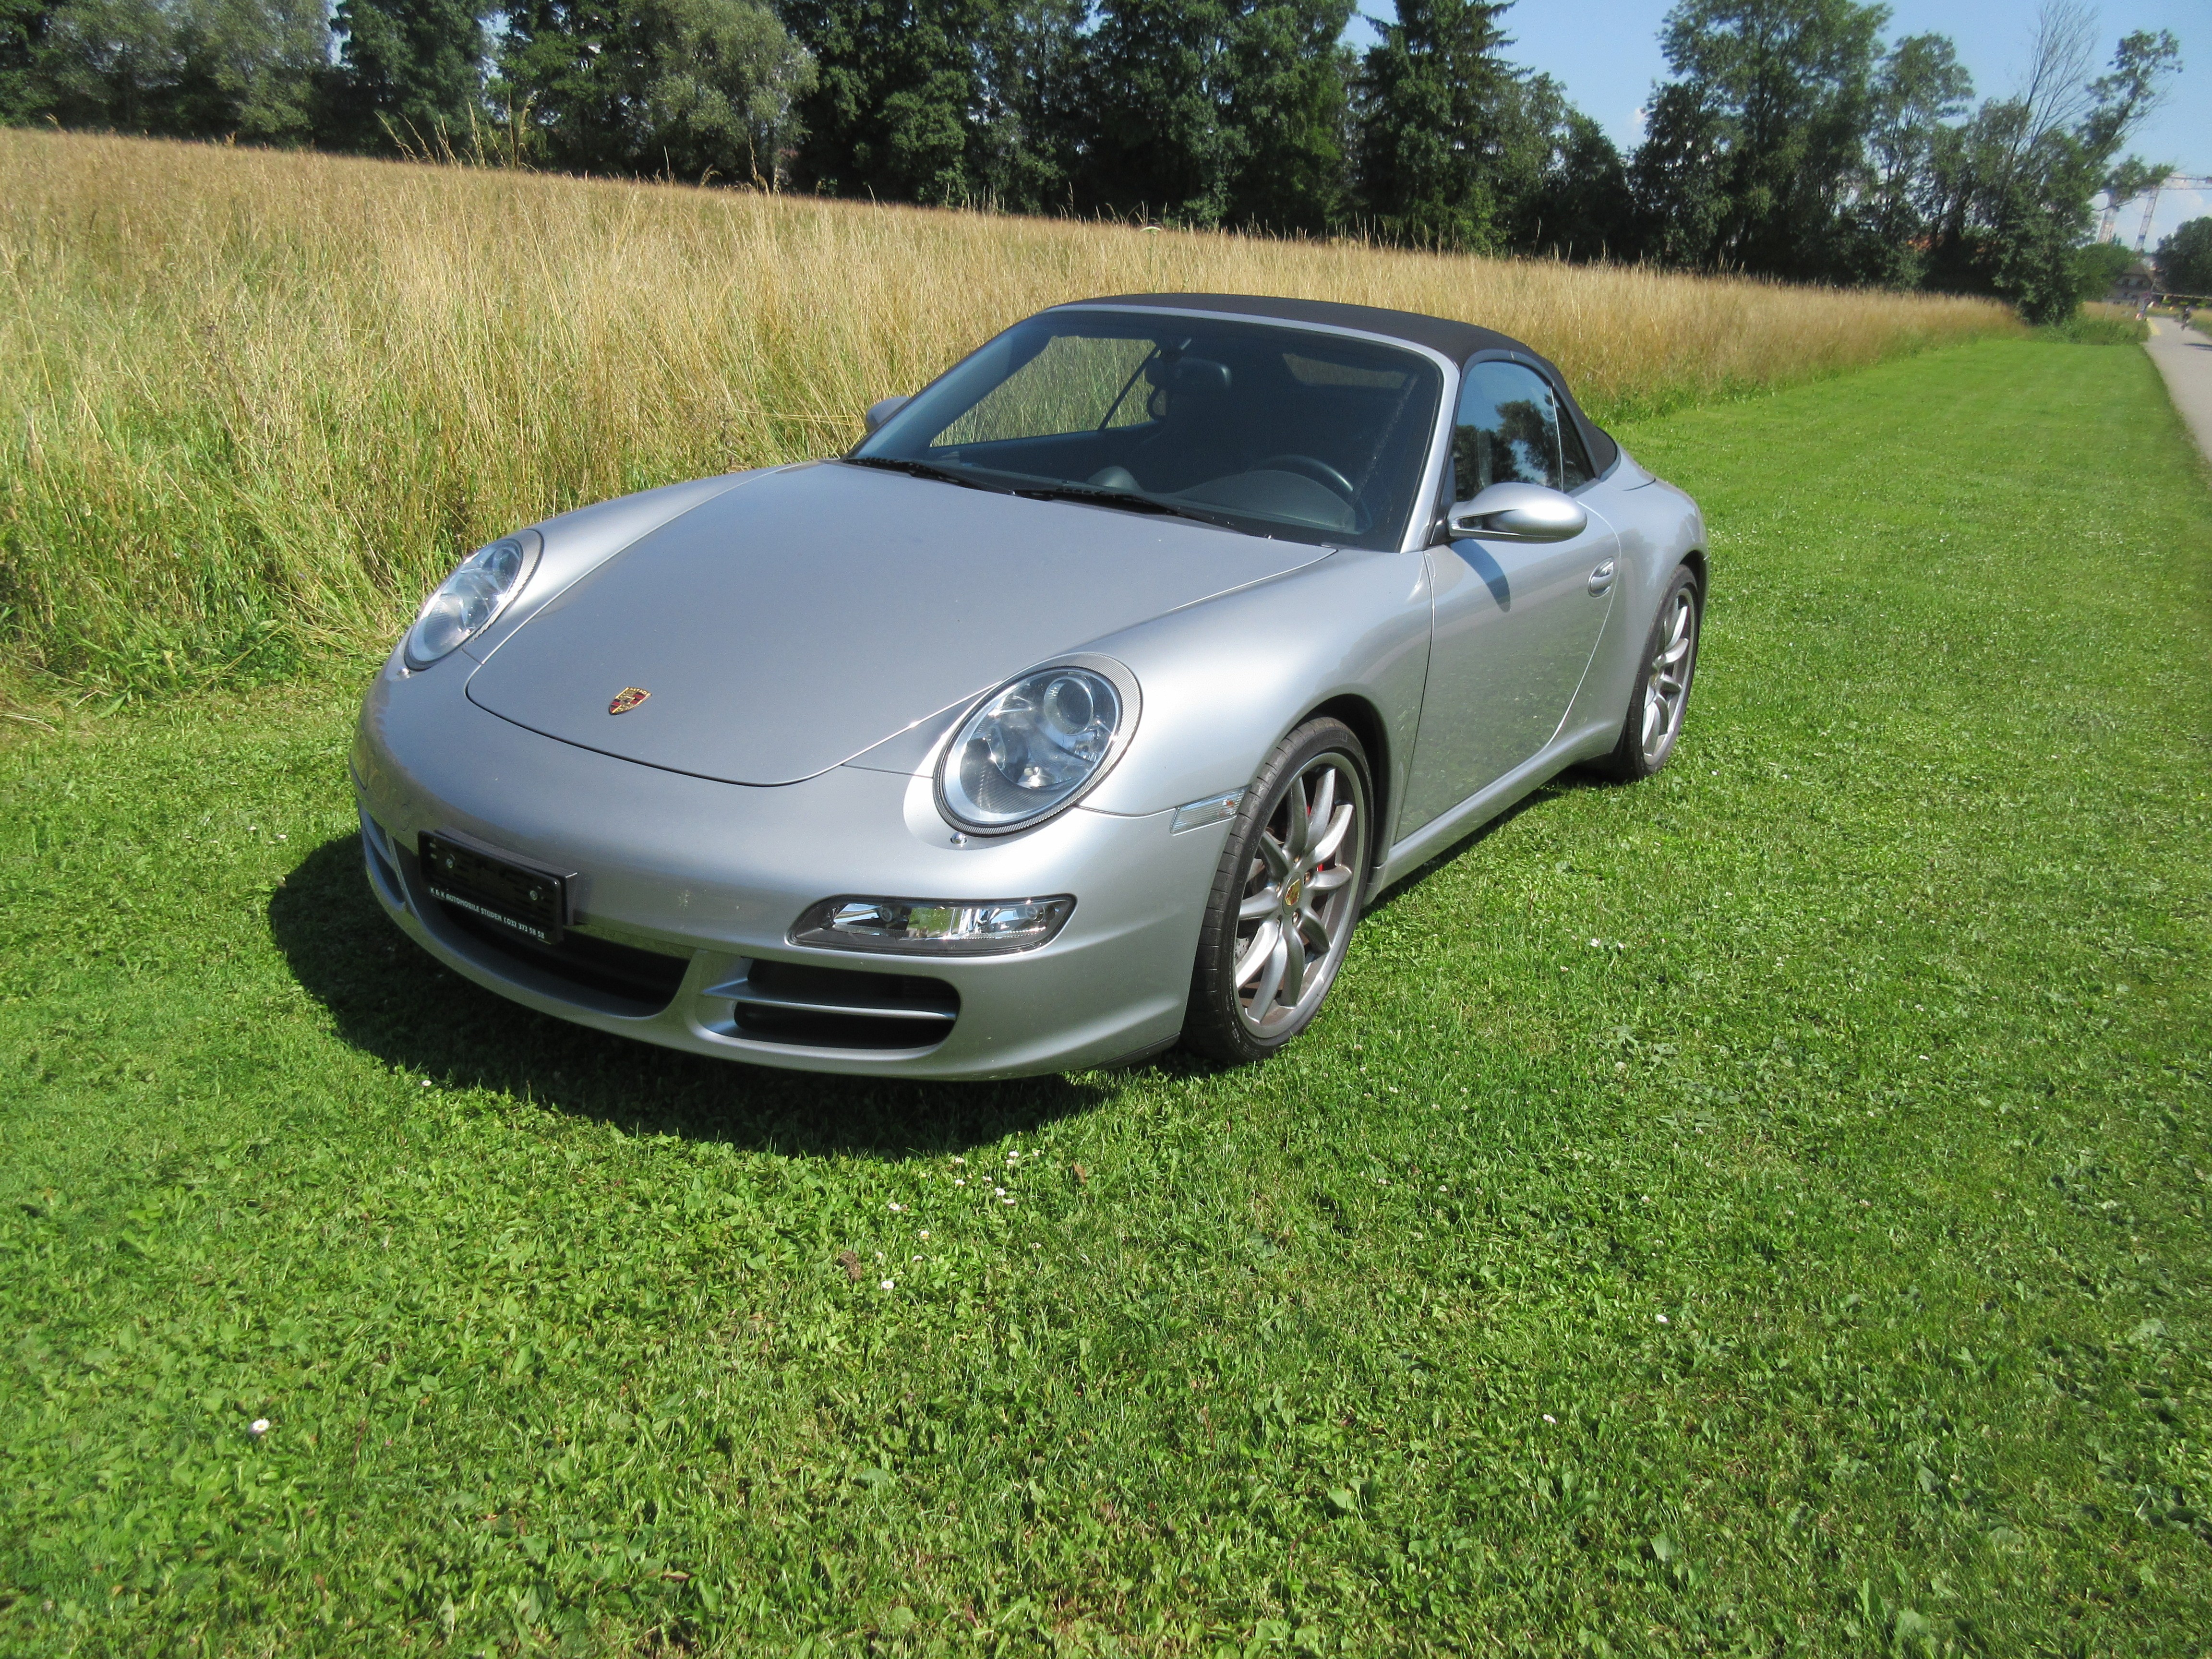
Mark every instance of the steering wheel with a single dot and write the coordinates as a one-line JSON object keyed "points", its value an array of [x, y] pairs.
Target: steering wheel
{"points": [[1306, 467]]}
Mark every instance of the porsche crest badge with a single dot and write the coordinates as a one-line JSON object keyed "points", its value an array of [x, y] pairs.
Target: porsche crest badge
{"points": [[627, 699]]}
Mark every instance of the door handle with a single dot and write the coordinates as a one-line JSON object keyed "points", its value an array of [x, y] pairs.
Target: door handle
{"points": [[1601, 578]]}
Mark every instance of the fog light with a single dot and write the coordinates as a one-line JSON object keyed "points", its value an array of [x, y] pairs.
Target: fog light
{"points": [[941, 927]]}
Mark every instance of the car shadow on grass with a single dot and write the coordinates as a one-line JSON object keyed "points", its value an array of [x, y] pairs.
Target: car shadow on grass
{"points": [[1571, 781], [390, 999]]}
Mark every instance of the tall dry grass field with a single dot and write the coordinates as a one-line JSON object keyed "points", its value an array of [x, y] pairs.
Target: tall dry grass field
{"points": [[256, 401]]}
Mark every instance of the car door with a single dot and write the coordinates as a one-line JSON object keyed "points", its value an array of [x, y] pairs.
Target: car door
{"points": [[1514, 622]]}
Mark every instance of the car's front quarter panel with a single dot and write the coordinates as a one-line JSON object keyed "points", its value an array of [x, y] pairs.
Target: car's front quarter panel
{"points": [[1226, 680]]}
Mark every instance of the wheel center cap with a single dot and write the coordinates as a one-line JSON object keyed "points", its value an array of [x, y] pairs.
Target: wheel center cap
{"points": [[1294, 892]]}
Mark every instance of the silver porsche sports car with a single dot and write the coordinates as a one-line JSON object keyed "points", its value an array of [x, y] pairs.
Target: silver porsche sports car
{"points": [[1075, 713]]}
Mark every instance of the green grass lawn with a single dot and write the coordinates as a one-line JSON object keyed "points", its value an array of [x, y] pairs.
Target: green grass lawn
{"points": [[1764, 1211]]}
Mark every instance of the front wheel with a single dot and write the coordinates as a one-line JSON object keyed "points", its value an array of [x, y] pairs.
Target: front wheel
{"points": [[1285, 898], [1661, 696]]}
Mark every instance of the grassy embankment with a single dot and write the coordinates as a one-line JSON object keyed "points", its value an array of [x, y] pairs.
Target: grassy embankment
{"points": [[252, 403], [1764, 1211]]}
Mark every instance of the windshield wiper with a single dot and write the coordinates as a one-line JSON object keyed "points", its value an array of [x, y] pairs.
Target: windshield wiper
{"points": [[1099, 495], [923, 470]]}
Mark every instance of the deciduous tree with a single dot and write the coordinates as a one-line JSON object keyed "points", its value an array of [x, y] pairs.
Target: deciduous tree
{"points": [[893, 110], [410, 77], [1758, 143], [695, 90], [2184, 259], [199, 69], [1561, 184], [1288, 100], [2020, 184], [1160, 142], [1032, 121], [1918, 94], [22, 31]]}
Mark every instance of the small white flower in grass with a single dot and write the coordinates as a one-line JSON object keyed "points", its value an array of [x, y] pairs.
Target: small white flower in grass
{"points": [[1663, 1319], [426, 1082], [258, 1427], [960, 1183], [917, 1258], [1548, 1418], [1008, 1202], [925, 1232], [887, 1284], [998, 1192]]}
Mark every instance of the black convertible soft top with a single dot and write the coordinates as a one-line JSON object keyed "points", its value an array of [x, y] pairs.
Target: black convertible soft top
{"points": [[1457, 341]]}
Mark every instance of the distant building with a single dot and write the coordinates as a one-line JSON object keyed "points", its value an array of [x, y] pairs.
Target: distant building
{"points": [[2133, 286]]}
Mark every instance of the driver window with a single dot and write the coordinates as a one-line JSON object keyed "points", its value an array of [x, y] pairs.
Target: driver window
{"points": [[1077, 383], [1508, 430]]}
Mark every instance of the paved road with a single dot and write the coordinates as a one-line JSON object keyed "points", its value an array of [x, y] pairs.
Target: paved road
{"points": [[2184, 358]]}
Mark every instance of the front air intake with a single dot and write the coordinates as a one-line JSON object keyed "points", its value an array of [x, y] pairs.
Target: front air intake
{"points": [[805, 1007], [641, 981]]}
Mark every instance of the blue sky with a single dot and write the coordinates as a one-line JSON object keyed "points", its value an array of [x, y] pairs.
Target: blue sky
{"points": [[1606, 54]]}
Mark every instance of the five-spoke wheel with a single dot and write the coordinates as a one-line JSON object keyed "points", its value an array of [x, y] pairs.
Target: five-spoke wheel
{"points": [[1287, 896], [1666, 683], [1662, 695]]}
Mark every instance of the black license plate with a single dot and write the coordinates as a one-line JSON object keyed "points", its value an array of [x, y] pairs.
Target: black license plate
{"points": [[532, 903]]}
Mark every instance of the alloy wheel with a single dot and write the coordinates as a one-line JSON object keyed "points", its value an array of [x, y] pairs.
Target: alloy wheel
{"points": [[1666, 680], [1301, 896]]}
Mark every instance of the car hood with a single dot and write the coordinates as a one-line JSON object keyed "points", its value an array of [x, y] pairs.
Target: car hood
{"points": [[789, 623]]}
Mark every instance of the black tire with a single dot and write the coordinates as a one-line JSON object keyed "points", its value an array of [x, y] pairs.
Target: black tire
{"points": [[1316, 893], [1633, 758]]}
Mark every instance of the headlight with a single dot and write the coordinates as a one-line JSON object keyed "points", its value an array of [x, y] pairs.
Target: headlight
{"points": [[1032, 747], [946, 928], [470, 600]]}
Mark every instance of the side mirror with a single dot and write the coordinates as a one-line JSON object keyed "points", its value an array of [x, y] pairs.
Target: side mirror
{"points": [[1519, 513], [882, 410]]}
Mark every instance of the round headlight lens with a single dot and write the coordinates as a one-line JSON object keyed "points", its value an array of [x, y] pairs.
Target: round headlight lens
{"points": [[1031, 747], [467, 601]]}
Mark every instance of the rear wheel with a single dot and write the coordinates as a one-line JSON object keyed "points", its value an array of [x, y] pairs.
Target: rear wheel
{"points": [[1662, 698], [1285, 898]]}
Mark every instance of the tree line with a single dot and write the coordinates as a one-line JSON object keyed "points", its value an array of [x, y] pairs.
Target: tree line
{"points": [[1790, 139]]}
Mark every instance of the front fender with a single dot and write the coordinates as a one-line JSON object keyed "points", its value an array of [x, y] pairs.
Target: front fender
{"points": [[1225, 679]]}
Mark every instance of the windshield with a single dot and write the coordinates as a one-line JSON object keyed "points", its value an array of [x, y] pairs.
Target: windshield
{"points": [[1266, 427]]}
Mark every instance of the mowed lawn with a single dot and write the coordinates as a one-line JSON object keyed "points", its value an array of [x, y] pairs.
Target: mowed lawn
{"points": [[1764, 1211]]}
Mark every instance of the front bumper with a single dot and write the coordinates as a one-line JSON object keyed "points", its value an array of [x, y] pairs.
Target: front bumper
{"points": [[702, 881]]}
